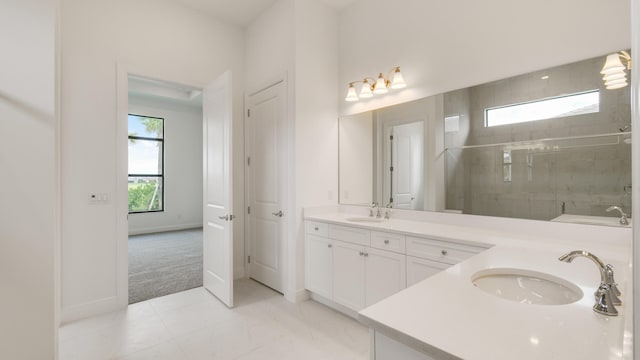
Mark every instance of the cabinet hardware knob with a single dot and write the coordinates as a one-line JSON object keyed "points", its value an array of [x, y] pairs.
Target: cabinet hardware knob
{"points": [[361, 253], [386, 241], [366, 254], [329, 245], [316, 228], [443, 252]]}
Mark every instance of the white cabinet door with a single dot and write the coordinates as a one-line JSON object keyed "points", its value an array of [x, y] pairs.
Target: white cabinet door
{"points": [[348, 274], [319, 266], [419, 269], [385, 274]]}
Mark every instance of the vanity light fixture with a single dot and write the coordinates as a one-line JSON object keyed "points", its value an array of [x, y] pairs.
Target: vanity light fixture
{"points": [[381, 85], [614, 75]]}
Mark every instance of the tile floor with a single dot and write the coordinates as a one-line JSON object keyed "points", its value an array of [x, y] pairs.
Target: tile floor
{"points": [[194, 325]]}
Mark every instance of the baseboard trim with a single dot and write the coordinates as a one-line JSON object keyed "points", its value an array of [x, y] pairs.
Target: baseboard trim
{"points": [[98, 307], [296, 296], [335, 306], [157, 229]]}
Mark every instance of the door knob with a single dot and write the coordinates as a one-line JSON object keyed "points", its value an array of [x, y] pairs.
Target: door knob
{"points": [[227, 217], [278, 214]]}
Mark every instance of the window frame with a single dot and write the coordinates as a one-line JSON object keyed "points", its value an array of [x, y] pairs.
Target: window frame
{"points": [[487, 110], [161, 176]]}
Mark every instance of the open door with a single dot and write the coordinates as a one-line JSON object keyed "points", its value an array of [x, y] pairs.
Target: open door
{"points": [[218, 211]]}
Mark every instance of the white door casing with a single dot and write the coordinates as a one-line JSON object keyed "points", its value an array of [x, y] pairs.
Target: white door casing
{"points": [[218, 209], [266, 190]]}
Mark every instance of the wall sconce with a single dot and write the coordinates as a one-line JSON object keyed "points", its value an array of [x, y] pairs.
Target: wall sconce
{"points": [[613, 72], [371, 86]]}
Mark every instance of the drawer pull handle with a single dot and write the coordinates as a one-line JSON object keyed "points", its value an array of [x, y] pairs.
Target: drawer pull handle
{"points": [[386, 242], [329, 245], [366, 254], [444, 252], [316, 228], [361, 253]]}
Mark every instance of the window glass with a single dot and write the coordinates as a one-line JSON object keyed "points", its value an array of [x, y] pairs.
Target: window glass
{"points": [[561, 106], [146, 164]]}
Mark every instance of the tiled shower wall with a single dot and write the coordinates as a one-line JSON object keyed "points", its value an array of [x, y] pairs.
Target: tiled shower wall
{"points": [[581, 176]]}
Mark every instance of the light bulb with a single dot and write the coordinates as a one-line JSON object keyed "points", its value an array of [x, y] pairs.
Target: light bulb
{"points": [[381, 86], [614, 76], [612, 65], [398, 80], [365, 92], [617, 86], [351, 93]]}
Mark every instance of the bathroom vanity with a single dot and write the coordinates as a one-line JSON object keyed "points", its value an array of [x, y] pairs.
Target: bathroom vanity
{"points": [[412, 280]]}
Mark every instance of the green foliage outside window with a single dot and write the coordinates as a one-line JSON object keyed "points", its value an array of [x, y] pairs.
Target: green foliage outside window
{"points": [[141, 195]]}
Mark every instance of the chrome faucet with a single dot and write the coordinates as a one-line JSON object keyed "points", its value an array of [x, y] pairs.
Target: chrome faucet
{"points": [[387, 212], [374, 206], [623, 215], [607, 294]]}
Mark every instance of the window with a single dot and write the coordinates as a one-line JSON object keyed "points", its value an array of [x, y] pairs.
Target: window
{"points": [[146, 164], [566, 105]]}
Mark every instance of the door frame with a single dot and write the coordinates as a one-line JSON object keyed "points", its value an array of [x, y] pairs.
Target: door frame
{"points": [[287, 173], [123, 71]]}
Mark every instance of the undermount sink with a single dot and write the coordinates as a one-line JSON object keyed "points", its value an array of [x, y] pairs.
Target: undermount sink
{"points": [[365, 219], [526, 286], [591, 220]]}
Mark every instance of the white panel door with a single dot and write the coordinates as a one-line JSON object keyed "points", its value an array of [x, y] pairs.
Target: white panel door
{"points": [[266, 173], [407, 160], [385, 274], [218, 212], [348, 275], [419, 269], [318, 265]]}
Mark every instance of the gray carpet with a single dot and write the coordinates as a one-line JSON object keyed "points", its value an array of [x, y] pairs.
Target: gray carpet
{"points": [[164, 263]]}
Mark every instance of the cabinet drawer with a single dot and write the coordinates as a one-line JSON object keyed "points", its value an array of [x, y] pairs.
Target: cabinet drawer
{"points": [[317, 228], [350, 234], [388, 241], [443, 251], [419, 269]]}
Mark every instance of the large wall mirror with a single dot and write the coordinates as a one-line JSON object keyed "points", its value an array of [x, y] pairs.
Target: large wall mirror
{"points": [[553, 144]]}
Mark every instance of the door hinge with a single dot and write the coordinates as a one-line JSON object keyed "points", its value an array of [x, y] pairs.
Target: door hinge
{"points": [[248, 209], [248, 112], [391, 137], [249, 259], [391, 169], [248, 161]]}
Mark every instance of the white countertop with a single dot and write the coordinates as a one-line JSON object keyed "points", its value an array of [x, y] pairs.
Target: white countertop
{"points": [[446, 315]]}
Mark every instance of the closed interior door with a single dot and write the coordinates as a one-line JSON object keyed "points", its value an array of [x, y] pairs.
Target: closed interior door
{"points": [[407, 163], [266, 156], [217, 212]]}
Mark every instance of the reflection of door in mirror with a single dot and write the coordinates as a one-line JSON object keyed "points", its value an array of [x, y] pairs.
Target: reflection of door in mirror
{"points": [[404, 166]]}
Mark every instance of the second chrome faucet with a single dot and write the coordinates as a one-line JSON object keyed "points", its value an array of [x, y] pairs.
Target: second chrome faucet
{"points": [[607, 295]]}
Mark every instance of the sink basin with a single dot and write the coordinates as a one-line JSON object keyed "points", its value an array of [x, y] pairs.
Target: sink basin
{"points": [[365, 219], [526, 286], [590, 220]]}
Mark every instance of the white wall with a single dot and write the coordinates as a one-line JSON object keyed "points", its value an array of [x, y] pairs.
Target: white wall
{"points": [[316, 127], [356, 159], [28, 180], [155, 39], [182, 167], [446, 45], [297, 39]]}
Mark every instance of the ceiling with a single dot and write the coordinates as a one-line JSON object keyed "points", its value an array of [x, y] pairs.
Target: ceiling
{"points": [[243, 12]]}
